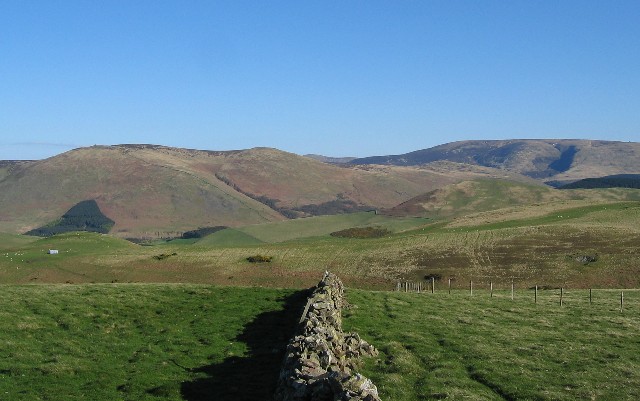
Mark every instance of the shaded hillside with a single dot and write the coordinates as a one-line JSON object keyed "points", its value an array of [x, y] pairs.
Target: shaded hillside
{"points": [[612, 181], [156, 191], [541, 159]]}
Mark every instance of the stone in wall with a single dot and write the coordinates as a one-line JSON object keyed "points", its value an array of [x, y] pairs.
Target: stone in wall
{"points": [[321, 359]]}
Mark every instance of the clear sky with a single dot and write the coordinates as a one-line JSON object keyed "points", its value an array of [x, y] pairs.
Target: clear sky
{"points": [[339, 78]]}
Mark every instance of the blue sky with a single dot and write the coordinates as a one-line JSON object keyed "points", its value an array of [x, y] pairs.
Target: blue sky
{"points": [[340, 78]]}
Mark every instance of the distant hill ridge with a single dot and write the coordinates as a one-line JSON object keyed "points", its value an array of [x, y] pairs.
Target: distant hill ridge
{"points": [[333, 160], [152, 191], [160, 191], [548, 159]]}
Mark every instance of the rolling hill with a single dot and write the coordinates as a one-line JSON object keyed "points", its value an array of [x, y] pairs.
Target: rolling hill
{"points": [[153, 191], [156, 191], [493, 200], [562, 160]]}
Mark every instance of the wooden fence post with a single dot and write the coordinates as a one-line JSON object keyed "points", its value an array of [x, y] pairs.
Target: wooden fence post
{"points": [[449, 285], [471, 287], [491, 288], [621, 301], [561, 290], [590, 296], [535, 297], [433, 285]]}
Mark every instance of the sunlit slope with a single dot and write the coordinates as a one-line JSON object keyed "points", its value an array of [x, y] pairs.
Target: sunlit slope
{"points": [[509, 199], [537, 249], [325, 225], [157, 191], [142, 194], [295, 182]]}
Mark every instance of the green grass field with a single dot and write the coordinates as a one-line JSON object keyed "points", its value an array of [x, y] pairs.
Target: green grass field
{"points": [[199, 342], [324, 225], [143, 342], [458, 347]]}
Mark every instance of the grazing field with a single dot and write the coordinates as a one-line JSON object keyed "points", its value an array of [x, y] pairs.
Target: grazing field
{"points": [[143, 342], [458, 347], [324, 225], [544, 249], [200, 342]]}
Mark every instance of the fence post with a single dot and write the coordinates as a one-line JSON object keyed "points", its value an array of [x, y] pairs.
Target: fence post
{"points": [[471, 287], [433, 285], [535, 297], [449, 285], [621, 301], [512, 290], [406, 286], [491, 288], [561, 290]]}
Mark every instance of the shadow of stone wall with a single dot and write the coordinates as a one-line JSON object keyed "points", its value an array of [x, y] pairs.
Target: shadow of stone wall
{"points": [[252, 377]]}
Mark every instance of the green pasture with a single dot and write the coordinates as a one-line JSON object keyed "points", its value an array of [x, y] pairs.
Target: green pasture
{"points": [[324, 225], [143, 342], [12, 241], [612, 213], [461, 347], [542, 250], [200, 342]]}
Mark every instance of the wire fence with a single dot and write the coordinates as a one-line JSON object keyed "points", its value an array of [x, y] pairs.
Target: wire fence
{"points": [[623, 298]]}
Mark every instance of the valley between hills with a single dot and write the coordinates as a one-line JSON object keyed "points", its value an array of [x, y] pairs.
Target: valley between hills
{"points": [[485, 210]]}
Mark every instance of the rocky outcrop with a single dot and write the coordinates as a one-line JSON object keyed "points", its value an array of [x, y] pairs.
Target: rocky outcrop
{"points": [[320, 361]]}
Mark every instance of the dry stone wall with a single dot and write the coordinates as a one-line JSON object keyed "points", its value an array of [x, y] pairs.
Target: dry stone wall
{"points": [[320, 361]]}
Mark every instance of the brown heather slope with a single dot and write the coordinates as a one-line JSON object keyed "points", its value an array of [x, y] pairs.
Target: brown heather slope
{"points": [[297, 181], [144, 195], [151, 190]]}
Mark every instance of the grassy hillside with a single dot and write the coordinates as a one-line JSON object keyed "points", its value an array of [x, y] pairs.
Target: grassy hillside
{"points": [[324, 225], [543, 247], [501, 197], [473, 196]]}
